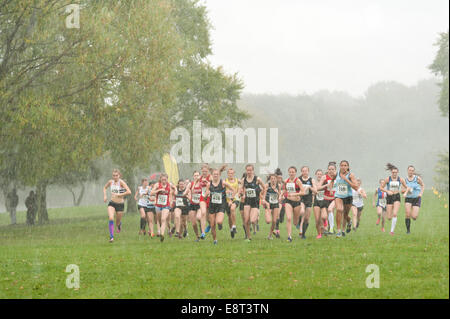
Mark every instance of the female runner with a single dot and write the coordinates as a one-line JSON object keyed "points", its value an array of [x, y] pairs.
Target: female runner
{"points": [[232, 200], [204, 200], [164, 193], [143, 192], [294, 189], [280, 182], [251, 201], [271, 204], [393, 184], [151, 216], [119, 189], [329, 194], [380, 196], [194, 194], [306, 200], [343, 184], [413, 194], [181, 206], [357, 204], [320, 208], [216, 191]]}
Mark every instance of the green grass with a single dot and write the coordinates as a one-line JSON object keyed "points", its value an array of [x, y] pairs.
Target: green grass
{"points": [[33, 260]]}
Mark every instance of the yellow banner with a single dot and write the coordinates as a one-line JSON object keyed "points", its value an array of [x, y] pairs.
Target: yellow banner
{"points": [[171, 168]]}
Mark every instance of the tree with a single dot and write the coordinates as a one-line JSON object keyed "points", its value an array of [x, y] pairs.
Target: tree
{"points": [[77, 178], [440, 68], [193, 90], [57, 85], [51, 91], [442, 171]]}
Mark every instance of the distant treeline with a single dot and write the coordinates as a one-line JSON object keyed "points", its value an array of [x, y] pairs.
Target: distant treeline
{"points": [[390, 123]]}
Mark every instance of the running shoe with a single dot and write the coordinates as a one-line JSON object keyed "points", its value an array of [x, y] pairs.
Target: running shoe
{"points": [[248, 240], [349, 227], [207, 229], [215, 242], [172, 230], [197, 240], [111, 240], [378, 221], [382, 229], [303, 236], [343, 234], [202, 236], [297, 226], [185, 233], [119, 227], [289, 239], [319, 236], [325, 224], [232, 233], [408, 232], [339, 234], [391, 233], [161, 238], [220, 226], [257, 227], [270, 237]]}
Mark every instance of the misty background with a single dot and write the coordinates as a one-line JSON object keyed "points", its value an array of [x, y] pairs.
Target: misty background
{"points": [[339, 79]]}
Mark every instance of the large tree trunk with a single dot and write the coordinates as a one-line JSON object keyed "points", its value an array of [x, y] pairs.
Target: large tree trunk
{"points": [[12, 214], [41, 194], [130, 179], [80, 197], [8, 205]]}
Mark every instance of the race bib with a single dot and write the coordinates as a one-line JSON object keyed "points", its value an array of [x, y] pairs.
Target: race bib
{"points": [[230, 195], [179, 201], [329, 186], [273, 198], [382, 202], [394, 185], [290, 187], [250, 192], [196, 198], [216, 198], [306, 187], [342, 189], [152, 201], [162, 199], [319, 195], [115, 189], [203, 191]]}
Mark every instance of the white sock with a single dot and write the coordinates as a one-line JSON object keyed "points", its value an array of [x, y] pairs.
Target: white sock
{"points": [[394, 221], [331, 220]]}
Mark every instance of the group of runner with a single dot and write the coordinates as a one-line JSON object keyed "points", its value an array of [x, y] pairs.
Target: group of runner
{"points": [[335, 197]]}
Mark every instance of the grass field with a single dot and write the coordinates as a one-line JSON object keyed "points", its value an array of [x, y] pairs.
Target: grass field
{"points": [[33, 260]]}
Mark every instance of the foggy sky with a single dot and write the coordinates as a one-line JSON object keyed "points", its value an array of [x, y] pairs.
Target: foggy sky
{"points": [[303, 46]]}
